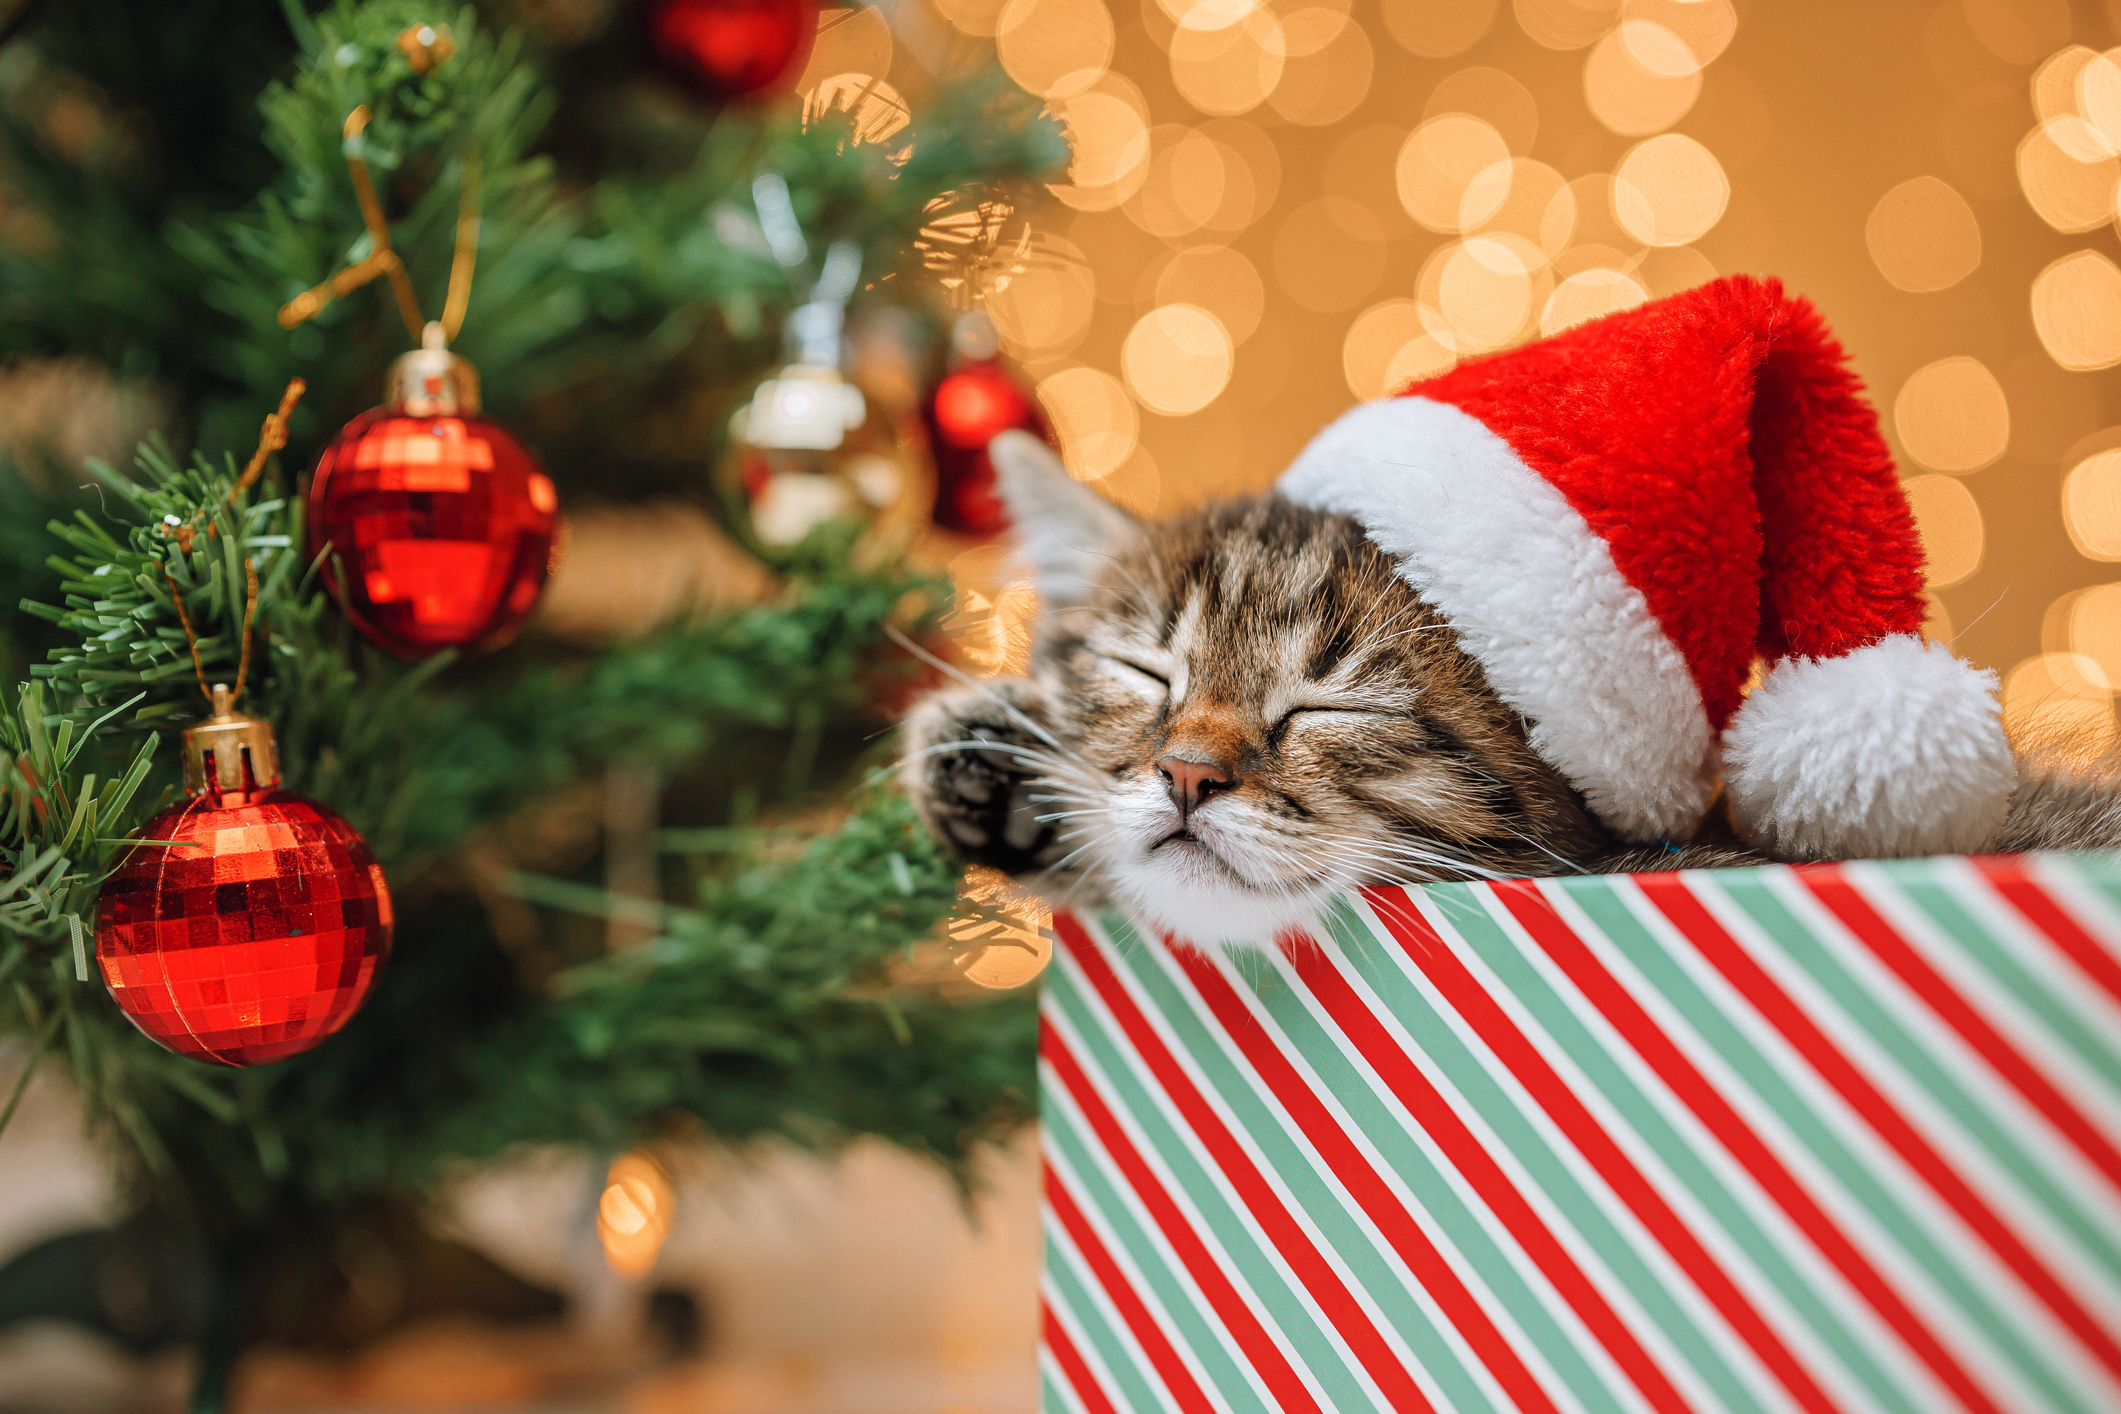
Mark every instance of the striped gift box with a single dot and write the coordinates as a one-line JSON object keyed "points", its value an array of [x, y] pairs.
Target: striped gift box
{"points": [[1824, 1138]]}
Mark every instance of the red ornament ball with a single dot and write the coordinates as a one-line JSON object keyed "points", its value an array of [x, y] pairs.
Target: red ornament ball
{"points": [[731, 48], [964, 413], [252, 940], [441, 529]]}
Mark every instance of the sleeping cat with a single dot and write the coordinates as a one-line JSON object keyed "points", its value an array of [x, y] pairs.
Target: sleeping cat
{"points": [[1236, 712]]}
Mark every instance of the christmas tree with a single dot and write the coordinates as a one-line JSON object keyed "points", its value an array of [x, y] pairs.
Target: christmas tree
{"points": [[206, 201]]}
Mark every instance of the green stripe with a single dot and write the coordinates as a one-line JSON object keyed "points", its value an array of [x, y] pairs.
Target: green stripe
{"points": [[1209, 1195], [1979, 944], [1134, 1388], [1753, 1068], [1269, 1129], [1752, 894], [1394, 986], [1502, 957], [1357, 1089], [1051, 1397]]}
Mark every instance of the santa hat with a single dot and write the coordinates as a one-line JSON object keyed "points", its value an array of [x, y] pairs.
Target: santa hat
{"points": [[1620, 519]]}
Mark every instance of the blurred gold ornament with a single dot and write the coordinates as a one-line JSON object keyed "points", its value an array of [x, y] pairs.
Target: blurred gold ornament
{"points": [[1055, 48], [635, 1212], [2091, 506], [1177, 359], [2077, 311], [425, 46], [1923, 236], [1951, 415], [990, 619], [849, 41], [875, 110], [972, 243], [1949, 522], [999, 936]]}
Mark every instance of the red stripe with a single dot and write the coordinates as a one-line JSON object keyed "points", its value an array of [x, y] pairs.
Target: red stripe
{"points": [[1369, 1191], [2007, 875], [1231, 1162], [1150, 1336], [1442, 1124], [1688, 914], [1074, 1369], [1260, 1351], [1501, 1035], [1537, 916], [1833, 889]]}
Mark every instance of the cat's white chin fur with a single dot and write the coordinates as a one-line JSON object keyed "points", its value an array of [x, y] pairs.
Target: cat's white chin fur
{"points": [[1208, 914]]}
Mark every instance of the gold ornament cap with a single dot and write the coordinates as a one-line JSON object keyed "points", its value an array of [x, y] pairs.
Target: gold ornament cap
{"points": [[431, 381], [229, 752]]}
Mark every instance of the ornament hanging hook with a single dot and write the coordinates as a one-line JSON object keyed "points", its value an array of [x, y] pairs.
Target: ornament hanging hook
{"points": [[372, 214]]}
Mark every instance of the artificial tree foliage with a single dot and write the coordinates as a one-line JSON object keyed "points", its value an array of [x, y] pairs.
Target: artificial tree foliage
{"points": [[610, 287]]}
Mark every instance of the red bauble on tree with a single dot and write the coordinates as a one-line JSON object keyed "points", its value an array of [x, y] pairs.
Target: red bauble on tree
{"points": [[731, 48], [439, 522], [974, 402], [261, 930]]}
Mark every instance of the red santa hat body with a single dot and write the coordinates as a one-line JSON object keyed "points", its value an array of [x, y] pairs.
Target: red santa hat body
{"points": [[1618, 520]]}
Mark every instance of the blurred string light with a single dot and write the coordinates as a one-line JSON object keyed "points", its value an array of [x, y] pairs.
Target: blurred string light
{"points": [[1219, 280], [1923, 236], [2077, 311], [1950, 526], [1177, 358], [1327, 70], [2091, 506], [1055, 48], [1438, 29], [634, 1213], [1951, 415]]}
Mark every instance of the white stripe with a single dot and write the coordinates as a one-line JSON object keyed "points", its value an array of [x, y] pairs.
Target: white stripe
{"points": [[2080, 900], [1085, 1349], [1534, 594]]}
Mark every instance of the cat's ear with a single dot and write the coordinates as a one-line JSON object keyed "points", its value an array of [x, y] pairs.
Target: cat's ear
{"points": [[1068, 532]]}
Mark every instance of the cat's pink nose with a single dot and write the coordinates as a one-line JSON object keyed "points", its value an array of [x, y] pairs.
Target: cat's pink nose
{"points": [[1192, 782]]}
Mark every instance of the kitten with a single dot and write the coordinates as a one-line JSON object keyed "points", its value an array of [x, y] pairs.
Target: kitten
{"points": [[1233, 713]]}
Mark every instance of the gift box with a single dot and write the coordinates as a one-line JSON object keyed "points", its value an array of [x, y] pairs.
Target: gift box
{"points": [[1841, 1137]]}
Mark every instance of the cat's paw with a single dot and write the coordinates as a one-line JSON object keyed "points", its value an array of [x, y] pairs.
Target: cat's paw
{"points": [[972, 768]]}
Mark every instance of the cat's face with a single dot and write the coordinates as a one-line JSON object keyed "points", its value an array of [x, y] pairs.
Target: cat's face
{"points": [[1246, 708]]}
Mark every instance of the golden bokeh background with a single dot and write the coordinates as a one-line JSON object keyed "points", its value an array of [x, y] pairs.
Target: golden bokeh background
{"points": [[1278, 207]]}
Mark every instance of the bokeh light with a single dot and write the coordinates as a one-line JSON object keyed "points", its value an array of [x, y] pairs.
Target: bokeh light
{"points": [[1108, 132], [1251, 172], [2018, 31], [1055, 48], [1093, 419], [2091, 506], [2068, 194], [1705, 27], [1670, 191], [1951, 415], [1225, 68], [2077, 311], [2095, 85], [634, 1213], [1667, 270], [1587, 295], [1374, 339], [1329, 254], [1528, 193], [1949, 523], [2090, 626], [1630, 96], [1492, 96], [1439, 160], [1437, 29], [1923, 236], [979, 17], [1184, 185], [1327, 72], [1487, 288], [2055, 95], [1177, 358], [1565, 24], [2058, 703], [1219, 280], [1045, 307]]}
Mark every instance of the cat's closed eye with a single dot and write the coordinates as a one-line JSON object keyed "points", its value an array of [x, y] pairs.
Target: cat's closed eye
{"points": [[1136, 673]]}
